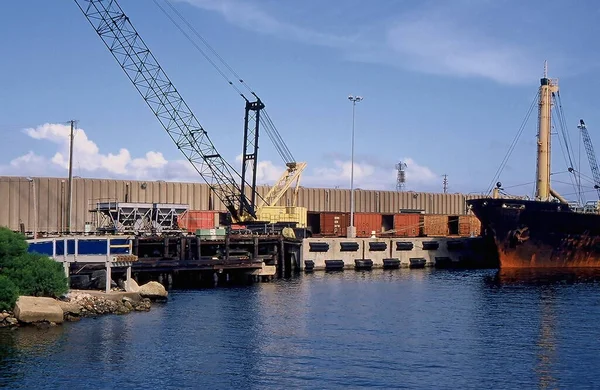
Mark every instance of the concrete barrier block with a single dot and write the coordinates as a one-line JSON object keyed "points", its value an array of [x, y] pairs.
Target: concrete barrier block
{"points": [[377, 249], [316, 250], [37, 309], [348, 250]]}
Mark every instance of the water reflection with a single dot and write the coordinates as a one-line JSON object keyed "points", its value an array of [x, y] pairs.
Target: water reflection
{"points": [[543, 292], [380, 329], [26, 341], [546, 366], [543, 276]]}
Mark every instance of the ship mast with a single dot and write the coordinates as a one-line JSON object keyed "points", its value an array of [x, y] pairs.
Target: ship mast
{"points": [[547, 88]]}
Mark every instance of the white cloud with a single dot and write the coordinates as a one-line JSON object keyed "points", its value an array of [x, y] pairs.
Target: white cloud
{"points": [[441, 39], [442, 47], [267, 172], [89, 161], [419, 176], [370, 175], [251, 17]]}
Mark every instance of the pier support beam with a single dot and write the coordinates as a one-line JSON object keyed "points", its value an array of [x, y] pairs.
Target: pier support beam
{"points": [[108, 276]]}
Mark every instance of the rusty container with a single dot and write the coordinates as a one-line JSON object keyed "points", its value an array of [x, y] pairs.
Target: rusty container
{"points": [[192, 220], [334, 224], [435, 225], [407, 225], [367, 223], [469, 225]]}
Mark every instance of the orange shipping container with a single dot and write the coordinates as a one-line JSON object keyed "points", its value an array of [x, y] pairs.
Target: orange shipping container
{"points": [[192, 220], [366, 223], [407, 225], [334, 224], [469, 224], [435, 225]]}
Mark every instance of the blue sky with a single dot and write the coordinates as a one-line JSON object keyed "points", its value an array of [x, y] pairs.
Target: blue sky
{"points": [[446, 85]]}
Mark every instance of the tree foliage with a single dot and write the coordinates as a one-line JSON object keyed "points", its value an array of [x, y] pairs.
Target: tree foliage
{"points": [[8, 293], [11, 245], [24, 273], [37, 275]]}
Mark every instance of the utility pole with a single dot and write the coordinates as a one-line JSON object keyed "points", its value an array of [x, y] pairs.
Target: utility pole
{"points": [[35, 212], [70, 201], [445, 183], [351, 232]]}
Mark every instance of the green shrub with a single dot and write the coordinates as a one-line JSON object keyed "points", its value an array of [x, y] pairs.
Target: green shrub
{"points": [[37, 275], [11, 245], [8, 293]]}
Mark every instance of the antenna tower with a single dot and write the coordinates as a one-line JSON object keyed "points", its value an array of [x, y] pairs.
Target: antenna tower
{"points": [[401, 178], [445, 182]]}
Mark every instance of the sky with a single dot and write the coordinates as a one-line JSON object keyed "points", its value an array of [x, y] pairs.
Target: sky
{"points": [[445, 87]]}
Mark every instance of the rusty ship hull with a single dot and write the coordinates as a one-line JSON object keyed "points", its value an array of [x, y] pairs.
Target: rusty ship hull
{"points": [[533, 234]]}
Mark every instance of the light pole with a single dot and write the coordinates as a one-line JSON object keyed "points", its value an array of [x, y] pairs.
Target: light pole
{"points": [[32, 181], [351, 233]]}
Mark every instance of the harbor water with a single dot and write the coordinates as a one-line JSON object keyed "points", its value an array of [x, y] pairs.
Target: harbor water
{"points": [[406, 329]]}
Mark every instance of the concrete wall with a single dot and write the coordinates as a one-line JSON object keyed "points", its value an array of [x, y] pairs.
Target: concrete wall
{"points": [[16, 199], [310, 251]]}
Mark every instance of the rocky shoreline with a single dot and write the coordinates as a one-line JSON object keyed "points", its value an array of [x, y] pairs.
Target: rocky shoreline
{"points": [[78, 304]]}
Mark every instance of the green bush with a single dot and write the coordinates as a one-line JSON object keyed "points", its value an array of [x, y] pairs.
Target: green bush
{"points": [[37, 275], [8, 293], [11, 245]]}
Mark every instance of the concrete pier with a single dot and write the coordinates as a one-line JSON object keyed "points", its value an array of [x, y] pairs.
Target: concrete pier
{"points": [[372, 253]]}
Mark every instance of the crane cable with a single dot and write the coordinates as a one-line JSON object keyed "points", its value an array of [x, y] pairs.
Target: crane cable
{"points": [[268, 125], [199, 49], [567, 144], [514, 143]]}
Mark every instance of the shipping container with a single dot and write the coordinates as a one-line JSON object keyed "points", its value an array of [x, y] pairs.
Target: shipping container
{"points": [[274, 214], [367, 223], [469, 225], [407, 225], [51, 197], [192, 220], [453, 225], [334, 224], [435, 225]]}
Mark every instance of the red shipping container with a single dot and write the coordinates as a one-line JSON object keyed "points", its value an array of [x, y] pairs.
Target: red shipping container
{"points": [[334, 224], [366, 223], [192, 220], [407, 225]]}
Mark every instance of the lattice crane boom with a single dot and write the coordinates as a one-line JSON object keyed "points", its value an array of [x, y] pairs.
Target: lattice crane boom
{"points": [[141, 67], [589, 148]]}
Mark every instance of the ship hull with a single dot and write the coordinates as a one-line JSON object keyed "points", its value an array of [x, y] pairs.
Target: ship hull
{"points": [[530, 234]]}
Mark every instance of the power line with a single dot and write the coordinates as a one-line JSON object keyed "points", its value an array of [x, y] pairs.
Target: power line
{"points": [[513, 144], [268, 124]]}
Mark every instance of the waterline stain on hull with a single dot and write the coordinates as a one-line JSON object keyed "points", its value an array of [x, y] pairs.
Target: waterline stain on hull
{"points": [[530, 234]]}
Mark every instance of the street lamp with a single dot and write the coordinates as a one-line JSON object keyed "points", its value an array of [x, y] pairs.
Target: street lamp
{"points": [[35, 216], [351, 233]]}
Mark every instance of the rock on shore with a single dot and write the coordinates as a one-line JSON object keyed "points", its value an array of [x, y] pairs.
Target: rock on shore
{"points": [[76, 305], [153, 290], [7, 319], [82, 303], [38, 309]]}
